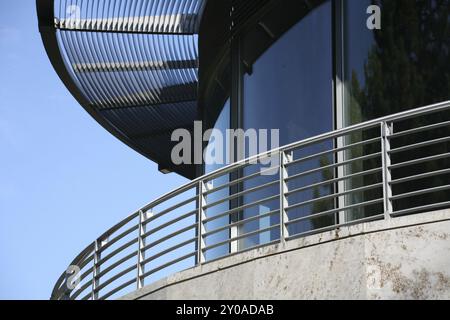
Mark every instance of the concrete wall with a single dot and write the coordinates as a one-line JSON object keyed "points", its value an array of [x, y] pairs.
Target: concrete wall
{"points": [[400, 258]]}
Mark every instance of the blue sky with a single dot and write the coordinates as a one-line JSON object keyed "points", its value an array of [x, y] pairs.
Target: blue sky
{"points": [[63, 178]]}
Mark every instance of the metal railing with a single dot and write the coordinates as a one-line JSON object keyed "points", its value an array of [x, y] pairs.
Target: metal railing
{"points": [[379, 169]]}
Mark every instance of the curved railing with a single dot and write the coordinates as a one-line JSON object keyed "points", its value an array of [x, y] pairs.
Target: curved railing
{"points": [[379, 169]]}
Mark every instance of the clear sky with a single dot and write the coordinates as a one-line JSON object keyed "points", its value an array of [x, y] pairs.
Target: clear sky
{"points": [[64, 180]]}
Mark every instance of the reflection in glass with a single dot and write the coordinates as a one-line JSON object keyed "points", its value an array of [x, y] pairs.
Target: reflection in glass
{"points": [[404, 65], [222, 124], [290, 89]]}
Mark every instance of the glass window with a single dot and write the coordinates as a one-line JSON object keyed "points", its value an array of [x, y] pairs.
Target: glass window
{"points": [[290, 89], [403, 65], [222, 124]]}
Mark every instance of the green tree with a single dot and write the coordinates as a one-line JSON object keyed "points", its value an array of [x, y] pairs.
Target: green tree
{"points": [[408, 66]]}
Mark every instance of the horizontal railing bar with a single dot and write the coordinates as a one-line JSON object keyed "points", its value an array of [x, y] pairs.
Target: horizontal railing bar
{"points": [[87, 297], [85, 262], [116, 264], [168, 264], [170, 195], [419, 192], [59, 286], [122, 286], [420, 176], [118, 238], [116, 251], [336, 210], [419, 145], [411, 113], [331, 151], [166, 251], [86, 273], [60, 291], [256, 246], [81, 289], [240, 165], [167, 237], [171, 222], [420, 160], [248, 234], [362, 220], [239, 194], [118, 226], [236, 181], [425, 207], [170, 209], [327, 182], [331, 135], [417, 130], [334, 195], [332, 166], [335, 226], [243, 207], [241, 222], [115, 277]]}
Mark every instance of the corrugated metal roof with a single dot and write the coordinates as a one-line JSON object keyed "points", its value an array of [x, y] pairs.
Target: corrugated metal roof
{"points": [[132, 64]]}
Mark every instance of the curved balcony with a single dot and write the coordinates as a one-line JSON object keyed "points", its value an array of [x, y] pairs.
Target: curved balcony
{"points": [[381, 169]]}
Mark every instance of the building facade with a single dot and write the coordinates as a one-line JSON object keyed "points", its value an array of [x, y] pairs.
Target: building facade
{"points": [[346, 195]]}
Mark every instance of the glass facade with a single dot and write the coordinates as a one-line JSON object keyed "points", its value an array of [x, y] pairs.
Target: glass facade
{"points": [[403, 65], [221, 125], [290, 87]]}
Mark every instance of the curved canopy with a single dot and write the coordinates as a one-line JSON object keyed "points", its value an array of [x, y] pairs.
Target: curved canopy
{"points": [[132, 64]]}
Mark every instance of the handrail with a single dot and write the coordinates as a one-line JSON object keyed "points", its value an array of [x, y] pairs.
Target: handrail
{"points": [[308, 197]]}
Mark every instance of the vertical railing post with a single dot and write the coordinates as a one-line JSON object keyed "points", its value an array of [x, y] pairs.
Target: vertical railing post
{"points": [[96, 269], [284, 189], [200, 217], [141, 251], [342, 185], [386, 131]]}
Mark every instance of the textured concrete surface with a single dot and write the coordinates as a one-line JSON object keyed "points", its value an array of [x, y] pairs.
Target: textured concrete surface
{"points": [[399, 258]]}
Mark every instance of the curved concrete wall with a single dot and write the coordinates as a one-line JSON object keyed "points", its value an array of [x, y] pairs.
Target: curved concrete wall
{"points": [[400, 258]]}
